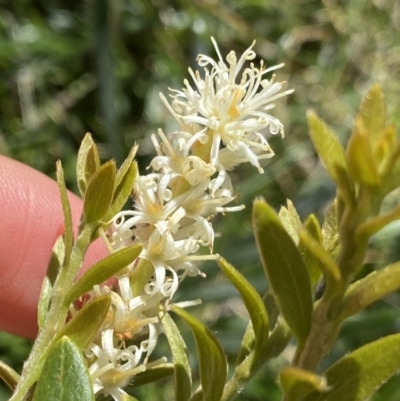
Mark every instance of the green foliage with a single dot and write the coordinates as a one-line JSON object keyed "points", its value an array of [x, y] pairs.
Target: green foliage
{"points": [[65, 376], [328, 147], [102, 271], [153, 374], [9, 375], [85, 324], [87, 163], [212, 362], [297, 384], [182, 372], [99, 193], [253, 302], [357, 375], [291, 287], [68, 227], [150, 44]]}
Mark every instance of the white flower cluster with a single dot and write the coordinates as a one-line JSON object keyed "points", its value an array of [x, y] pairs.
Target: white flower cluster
{"points": [[221, 119]]}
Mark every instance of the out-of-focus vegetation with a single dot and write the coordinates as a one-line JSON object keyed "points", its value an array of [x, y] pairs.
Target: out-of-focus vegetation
{"points": [[68, 67]]}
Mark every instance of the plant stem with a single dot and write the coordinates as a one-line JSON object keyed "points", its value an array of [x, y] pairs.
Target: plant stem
{"points": [[276, 343], [56, 317]]}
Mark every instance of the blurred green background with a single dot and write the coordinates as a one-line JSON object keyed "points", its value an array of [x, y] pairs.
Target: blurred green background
{"points": [[71, 67]]}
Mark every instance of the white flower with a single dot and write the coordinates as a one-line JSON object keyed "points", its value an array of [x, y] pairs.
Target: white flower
{"points": [[111, 364], [221, 122], [230, 108]]}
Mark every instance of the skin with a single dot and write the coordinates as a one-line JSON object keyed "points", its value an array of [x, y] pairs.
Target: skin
{"points": [[31, 219]]}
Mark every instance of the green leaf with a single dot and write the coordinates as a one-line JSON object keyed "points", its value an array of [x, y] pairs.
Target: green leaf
{"points": [[64, 376], [92, 163], [327, 145], [85, 324], [372, 114], [140, 276], [212, 362], [56, 260], [99, 193], [122, 191], [44, 301], [126, 165], [183, 376], [290, 220], [68, 227], [391, 174], [345, 187], [254, 303], [369, 289], [361, 164], [102, 271], [356, 376], [375, 224], [330, 230], [331, 272], [284, 268], [298, 383], [86, 145], [9, 375], [311, 225], [153, 374]]}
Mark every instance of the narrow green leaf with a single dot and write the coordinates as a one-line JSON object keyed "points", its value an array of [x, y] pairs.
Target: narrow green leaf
{"points": [[56, 260], [212, 362], [248, 340], [122, 191], [361, 164], [153, 374], [99, 193], [327, 145], [298, 383], [86, 145], [290, 220], [359, 374], [330, 230], [369, 289], [183, 375], [375, 224], [85, 324], [140, 276], [254, 303], [345, 186], [126, 165], [92, 163], [44, 301], [312, 226], [372, 114], [331, 272], [64, 376], [284, 267], [68, 227], [102, 271], [9, 375], [391, 175]]}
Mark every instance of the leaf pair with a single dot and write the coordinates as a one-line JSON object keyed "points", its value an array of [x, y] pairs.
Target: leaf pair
{"points": [[104, 189]]}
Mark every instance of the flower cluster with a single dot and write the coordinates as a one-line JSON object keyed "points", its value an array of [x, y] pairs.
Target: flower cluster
{"points": [[222, 120]]}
